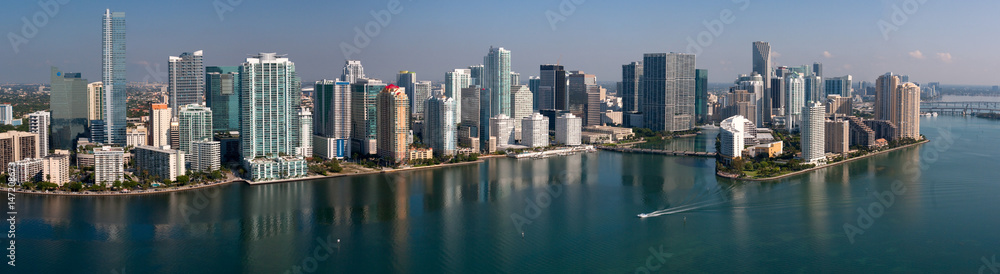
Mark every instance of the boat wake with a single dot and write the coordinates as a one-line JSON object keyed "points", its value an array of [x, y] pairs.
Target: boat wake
{"points": [[704, 199]]}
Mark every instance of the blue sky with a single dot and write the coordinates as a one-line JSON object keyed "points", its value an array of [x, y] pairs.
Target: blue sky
{"points": [[953, 42]]}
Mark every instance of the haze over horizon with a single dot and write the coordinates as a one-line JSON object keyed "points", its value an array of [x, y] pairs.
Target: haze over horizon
{"points": [[931, 41]]}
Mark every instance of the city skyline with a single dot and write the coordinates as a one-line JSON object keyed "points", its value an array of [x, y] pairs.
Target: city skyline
{"points": [[546, 37]]}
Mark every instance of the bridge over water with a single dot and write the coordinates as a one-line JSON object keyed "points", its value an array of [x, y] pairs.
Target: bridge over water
{"points": [[961, 108]]}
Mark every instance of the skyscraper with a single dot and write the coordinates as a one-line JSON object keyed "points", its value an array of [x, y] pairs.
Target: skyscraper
{"points": [[186, 80], [839, 86], [470, 122], [579, 84], [109, 165], [485, 113], [815, 88], [885, 86], [568, 129], [535, 130], [159, 125], [38, 123], [269, 118], [795, 99], [303, 133], [907, 113], [222, 93], [408, 81], [502, 128], [668, 91], [393, 123], [332, 119], [520, 105], [817, 69], [364, 115], [113, 76], [733, 137], [476, 75], [18, 145], [352, 71], [593, 110], [496, 79], [95, 101], [439, 121], [701, 94], [195, 122], [813, 135], [454, 82], [6, 114], [552, 88], [422, 91], [69, 109], [755, 85], [762, 61]]}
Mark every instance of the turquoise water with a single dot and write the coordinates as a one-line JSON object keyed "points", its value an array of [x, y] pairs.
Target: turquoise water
{"points": [[578, 215]]}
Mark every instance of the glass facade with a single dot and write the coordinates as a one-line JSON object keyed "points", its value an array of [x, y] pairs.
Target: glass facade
{"points": [[113, 76], [223, 97]]}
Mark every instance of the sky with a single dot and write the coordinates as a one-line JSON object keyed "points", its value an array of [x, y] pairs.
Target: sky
{"points": [[952, 42]]}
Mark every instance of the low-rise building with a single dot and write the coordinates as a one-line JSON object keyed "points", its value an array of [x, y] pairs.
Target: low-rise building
{"points": [[160, 163], [109, 165], [588, 137], [24, 170], [770, 150], [421, 153], [205, 155], [616, 134], [55, 167]]}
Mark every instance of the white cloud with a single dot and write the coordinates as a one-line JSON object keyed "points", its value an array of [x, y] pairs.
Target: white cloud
{"points": [[945, 57], [827, 54], [917, 54]]}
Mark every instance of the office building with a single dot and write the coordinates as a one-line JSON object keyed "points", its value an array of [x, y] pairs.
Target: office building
{"points": [[222, 91], [69, 115], [839, 86], [631, 83], [701, 95], [6, 114], [136, 136], [454, 82], [817, 69], [408, 81], [520, 106], [733, 137], [535, 130], [95, 101], [269, 104], [552, 93], [55, 168], [186, 80], [515, 79], [352, 71], [113, 76], [579, 85], [496, 79], [332, 119], [109, 165], [159, 163], [502, 128], [476, 75], [205, 155], [439, 120], [533, 83], [568, 129], [393, 123], [26, 170], [838, 136], [668, 91], [17, 145], [593, 111], [195, 124], [160, 117], [813, 132], [470, 122], [38, 123], [422, 91], [762, 62], [364, 118]]}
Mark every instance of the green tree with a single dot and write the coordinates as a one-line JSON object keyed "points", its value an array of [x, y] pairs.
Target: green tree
{"points": [[75, 186], [183, 180]]}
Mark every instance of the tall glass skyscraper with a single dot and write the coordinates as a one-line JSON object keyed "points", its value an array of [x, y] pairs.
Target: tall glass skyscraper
{"points": [[363, 115], [668, 91], [332, 119], [496, 79], [270, 100], [69, 109], [408, 80], [762, 66], [454, 82], [223, 97], [440, 123], [552, 88], [186, 80], [113, 76], [701, 94]]}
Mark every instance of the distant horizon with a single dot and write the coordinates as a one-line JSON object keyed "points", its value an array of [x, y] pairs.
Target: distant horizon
{"points": [[590, 36]]}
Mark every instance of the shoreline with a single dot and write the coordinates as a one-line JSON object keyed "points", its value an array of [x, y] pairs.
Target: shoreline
{"points": [[800, 172], [241, 180]]}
